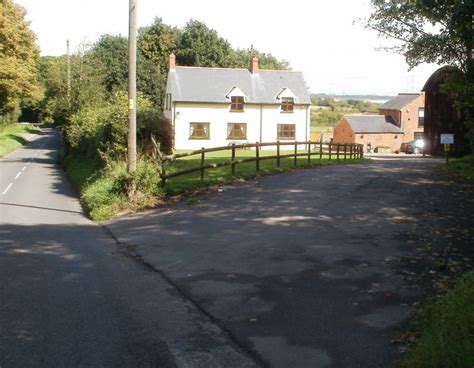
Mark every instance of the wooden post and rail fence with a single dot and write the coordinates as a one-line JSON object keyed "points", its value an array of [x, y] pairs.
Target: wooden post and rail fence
{"points": [[339, 150]]}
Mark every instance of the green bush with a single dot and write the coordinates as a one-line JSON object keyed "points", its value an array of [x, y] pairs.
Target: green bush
{"points": [[153, 123], [108, 193], [101, 132]]}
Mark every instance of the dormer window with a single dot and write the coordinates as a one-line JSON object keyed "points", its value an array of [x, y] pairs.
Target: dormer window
{"points": [[287, 104], [237, 103]]}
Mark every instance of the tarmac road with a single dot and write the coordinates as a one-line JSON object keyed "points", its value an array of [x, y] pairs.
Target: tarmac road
{"points": [[311, 268], [69, 297]]}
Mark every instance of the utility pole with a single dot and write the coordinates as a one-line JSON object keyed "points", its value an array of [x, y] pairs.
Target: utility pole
{"points": [[68, 91], [132, 87]]}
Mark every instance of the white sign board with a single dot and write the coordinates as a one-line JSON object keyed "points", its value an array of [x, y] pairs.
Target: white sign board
{"points": [[447, 138]]}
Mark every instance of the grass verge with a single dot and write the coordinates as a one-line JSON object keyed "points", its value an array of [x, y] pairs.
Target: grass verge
{"points": [[11, 136], [103, 191], [446, 330], [461, 167]]}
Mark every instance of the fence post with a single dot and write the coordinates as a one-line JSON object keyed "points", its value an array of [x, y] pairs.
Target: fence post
{"points": [[257, 155], [278, 154], [330, 149], [337, 152], [350, 154], [233, 159], [309, 152], [202, 164], [345, 151], [296, 157], [320, 149]]}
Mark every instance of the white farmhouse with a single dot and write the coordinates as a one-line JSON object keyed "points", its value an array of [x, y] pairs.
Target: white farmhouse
{"points": [[211, 107]]}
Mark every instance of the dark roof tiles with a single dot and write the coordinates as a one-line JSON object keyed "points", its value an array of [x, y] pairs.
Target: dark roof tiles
{"points": [[400, 101], [372, 124], [195, 84]]}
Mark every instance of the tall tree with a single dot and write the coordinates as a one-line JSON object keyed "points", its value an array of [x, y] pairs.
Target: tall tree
{"points": [[433, 31], [202, 46], [241, 58], [18, 56], [110, 54], [157, 41]]}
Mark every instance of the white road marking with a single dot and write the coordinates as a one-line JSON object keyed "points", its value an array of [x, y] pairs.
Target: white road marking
{"points": [[6, 190], [24, 167]]}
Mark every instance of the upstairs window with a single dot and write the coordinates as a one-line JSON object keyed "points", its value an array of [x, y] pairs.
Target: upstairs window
{"points": [[236, 103], [287, 104], [286, 131], [421, 117], [199, 131]]}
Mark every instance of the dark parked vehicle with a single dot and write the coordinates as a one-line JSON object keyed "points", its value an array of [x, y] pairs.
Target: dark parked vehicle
{"points": [[415, 146]]}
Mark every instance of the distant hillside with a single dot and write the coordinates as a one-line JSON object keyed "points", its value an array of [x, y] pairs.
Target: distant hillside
{"points": [[370, 98]]}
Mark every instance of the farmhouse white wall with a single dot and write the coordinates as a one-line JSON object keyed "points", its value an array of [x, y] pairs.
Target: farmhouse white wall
{"points": [[218, 115]]}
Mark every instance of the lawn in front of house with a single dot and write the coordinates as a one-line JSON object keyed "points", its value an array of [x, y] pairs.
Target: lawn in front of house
{"points": [[223, 174]]}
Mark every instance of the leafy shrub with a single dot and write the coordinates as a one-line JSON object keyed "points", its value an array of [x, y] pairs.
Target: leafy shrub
{"points": [[153, 123], [105, 194], [101, 132]]}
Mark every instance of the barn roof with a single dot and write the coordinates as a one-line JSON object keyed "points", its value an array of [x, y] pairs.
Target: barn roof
{"points": [[372, 124], [400, 101], [197, 84], [440, 76]]}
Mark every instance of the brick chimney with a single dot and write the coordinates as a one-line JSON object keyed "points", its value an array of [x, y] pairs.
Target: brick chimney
{"points": [[172, 62], [254, 65]]}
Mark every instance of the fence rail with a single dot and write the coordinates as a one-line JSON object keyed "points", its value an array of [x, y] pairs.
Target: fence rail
{"points": [[333, 150]]}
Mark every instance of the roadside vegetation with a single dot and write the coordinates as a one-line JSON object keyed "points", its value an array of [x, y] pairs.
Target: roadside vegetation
{"points": [[463, 167], [446, 330], [11, 136], [104, 189]]}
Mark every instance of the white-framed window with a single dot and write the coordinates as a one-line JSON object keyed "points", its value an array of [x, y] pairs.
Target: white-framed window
{"points": [[199, 131]]}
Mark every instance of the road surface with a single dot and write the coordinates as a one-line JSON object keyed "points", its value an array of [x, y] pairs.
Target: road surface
{"points": [[70, 297], [311, 268]]}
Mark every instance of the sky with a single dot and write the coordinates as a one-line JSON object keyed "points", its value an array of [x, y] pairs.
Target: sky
{"points": [[320, 38]]}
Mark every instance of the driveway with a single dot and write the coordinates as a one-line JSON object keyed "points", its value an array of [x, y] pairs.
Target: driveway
{"points": [[311, 268]]}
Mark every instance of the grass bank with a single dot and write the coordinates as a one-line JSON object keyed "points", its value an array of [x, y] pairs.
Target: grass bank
{"points": [[446, 330], [103, 191], [463, 167], [11, 136]]}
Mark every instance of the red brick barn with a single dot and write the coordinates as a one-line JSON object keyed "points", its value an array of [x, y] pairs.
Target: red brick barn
{"points": [[378, 131], [408, 111]]}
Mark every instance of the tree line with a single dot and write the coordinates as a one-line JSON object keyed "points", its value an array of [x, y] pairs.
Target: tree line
{"points": [[89, 103], [100, 71]]}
